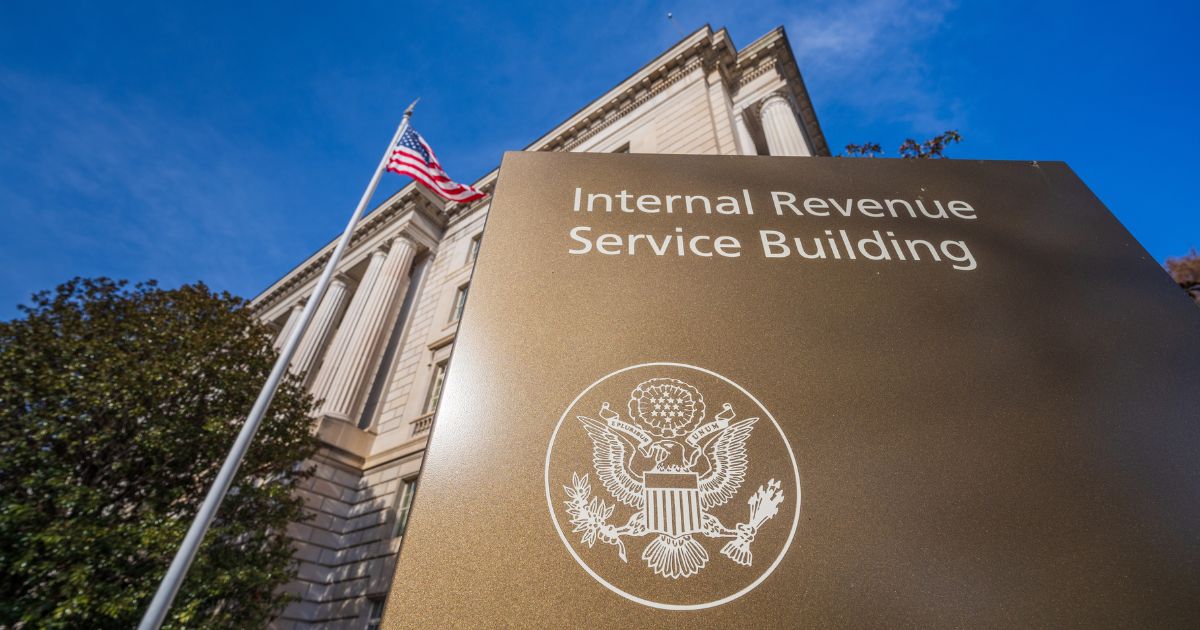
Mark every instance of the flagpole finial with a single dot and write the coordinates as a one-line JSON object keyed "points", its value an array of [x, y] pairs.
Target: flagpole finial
{"points": [[408, 112]]}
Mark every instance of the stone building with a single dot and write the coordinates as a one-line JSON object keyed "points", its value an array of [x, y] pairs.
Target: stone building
{"points": [[378, 347]]}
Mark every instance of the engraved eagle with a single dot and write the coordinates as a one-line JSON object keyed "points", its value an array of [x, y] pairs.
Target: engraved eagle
{"points": [[722, 458], [672, 468]]}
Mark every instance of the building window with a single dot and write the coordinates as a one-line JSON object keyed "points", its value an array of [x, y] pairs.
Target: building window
{"points": [[473, 252], [435, 388], [404, 499], [460, 301], [375, 616]]}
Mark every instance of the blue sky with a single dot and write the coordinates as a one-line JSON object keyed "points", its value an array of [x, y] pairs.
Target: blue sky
{"points": [[225, 142]]}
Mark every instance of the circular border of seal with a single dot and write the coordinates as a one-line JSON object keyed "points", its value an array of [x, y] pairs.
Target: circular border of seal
{"points": [[634, 598]]}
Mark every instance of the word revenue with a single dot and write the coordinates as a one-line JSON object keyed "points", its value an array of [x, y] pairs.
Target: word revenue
{"points": [[782, 203], [826, 245]]}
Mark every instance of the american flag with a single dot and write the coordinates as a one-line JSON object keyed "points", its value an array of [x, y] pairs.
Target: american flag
{"points": [[413, 156]]}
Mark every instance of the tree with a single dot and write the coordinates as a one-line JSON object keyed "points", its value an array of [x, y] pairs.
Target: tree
{"points": [[867, 149], [1186, 271], [118, 406], [933, 148]]}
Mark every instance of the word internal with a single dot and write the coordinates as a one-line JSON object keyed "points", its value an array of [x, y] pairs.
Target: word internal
{"points": [[782, 202]]}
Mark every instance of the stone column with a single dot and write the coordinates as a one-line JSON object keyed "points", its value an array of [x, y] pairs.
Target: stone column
{"points": [[293, 317], [782, 128], [357, 340], [724, 132], [320, 382], [321, 326], [745, 142]]}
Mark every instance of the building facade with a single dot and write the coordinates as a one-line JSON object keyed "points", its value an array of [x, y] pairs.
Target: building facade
{"points": [[379, 344]]}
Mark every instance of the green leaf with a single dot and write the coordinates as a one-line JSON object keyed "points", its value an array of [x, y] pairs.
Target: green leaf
{"points": [[117, 406]]}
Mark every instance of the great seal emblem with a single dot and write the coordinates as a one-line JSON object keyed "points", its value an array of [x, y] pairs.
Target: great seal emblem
{"points": [[670, 477]]}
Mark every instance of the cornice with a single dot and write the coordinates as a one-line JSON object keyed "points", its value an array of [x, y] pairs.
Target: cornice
{"points": [[633, 97], [632, 88], [761, 67], [406, 202], [613, 115], [773, 52]]}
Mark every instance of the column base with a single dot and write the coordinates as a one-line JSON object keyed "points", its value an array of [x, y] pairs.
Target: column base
{"points": [[344, 435]]}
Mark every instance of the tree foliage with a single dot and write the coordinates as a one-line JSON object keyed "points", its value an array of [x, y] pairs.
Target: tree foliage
{"points": [[117, 407], [866, 149], [1186, 271], [931, 149]]}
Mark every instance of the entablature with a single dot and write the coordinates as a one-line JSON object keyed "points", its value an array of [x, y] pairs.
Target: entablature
{"points": [[410, 212]]}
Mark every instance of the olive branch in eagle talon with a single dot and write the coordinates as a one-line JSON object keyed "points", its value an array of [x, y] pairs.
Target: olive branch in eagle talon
{"points": [[591, 516]]}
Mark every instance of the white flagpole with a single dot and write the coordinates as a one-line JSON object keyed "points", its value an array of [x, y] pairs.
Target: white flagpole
{"points": [[171, 582]]}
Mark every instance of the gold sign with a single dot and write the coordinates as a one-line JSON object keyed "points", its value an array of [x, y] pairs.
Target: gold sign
{"points": [[749, 392]]}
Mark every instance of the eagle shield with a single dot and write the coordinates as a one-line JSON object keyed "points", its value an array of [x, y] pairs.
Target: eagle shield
{"points": [[673, 503]]}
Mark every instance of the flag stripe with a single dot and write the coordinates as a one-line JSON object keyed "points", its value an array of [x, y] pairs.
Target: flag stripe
{"points": [[424, 178], [403, 158], [470, 194], [441, 182], [414, 157], [458, 192]]}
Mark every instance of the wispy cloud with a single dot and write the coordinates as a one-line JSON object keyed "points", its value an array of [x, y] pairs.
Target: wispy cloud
{"points": [[866, 62], [116, 186], [869, 56]]}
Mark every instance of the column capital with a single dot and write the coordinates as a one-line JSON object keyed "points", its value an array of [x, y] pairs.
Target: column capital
{"points": [[781, 126], [399, 239], [341, 278], [289, 323], [777, 97], [404, 238]]}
